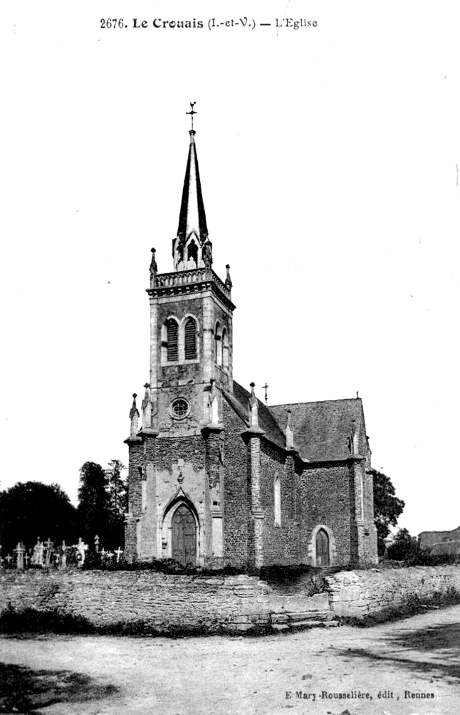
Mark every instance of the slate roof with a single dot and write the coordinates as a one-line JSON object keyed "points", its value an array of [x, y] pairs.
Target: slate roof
{"points": [[321, 429], [192, 216], [239, 400]]}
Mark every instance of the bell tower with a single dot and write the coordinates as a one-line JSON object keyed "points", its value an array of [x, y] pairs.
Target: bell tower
{"points": [[175, 459], [190, 320]]}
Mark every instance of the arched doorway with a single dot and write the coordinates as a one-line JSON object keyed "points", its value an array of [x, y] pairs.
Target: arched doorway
{"points": [[322, 548], [184, 536]]}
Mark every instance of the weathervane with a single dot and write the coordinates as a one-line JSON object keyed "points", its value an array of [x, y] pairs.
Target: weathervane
{"points": [[192, 112]]}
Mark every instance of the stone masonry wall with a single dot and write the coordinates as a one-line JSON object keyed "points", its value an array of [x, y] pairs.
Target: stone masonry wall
{"points": [[281, 541], [361, 594], [235, 489], [428, 539], [164, 603], [328, 498]]}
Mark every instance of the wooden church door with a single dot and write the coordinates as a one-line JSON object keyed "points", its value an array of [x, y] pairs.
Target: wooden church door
{"points": [[322, 548], [184, 536]]}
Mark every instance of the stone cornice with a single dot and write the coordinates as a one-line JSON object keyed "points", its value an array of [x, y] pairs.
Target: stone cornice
{"points": [[356, 458], [133, 440], [197, 280], [148, 432], [141, 436], [252, 432], [212, 428], [344, 461]]}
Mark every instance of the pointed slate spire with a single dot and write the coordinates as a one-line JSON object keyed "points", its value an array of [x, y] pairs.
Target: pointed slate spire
{"points": [[192, 248], [192, 216]]}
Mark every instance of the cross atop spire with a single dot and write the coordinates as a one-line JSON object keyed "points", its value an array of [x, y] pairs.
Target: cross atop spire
{"points": [[192, 112]]}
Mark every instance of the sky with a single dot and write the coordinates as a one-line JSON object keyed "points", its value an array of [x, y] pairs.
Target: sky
{"points": [[329, 163]]}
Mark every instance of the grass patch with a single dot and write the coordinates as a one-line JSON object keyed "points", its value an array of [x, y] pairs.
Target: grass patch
{"points": [[30, 620]]}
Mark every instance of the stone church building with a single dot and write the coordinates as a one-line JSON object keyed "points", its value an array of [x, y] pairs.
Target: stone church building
{"points": [[216, 477]]}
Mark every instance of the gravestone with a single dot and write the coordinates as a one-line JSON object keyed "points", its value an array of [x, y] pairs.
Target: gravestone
{"points": [[81, 550], [37, 556], [63, 561], [19, 551], [48, 551]]}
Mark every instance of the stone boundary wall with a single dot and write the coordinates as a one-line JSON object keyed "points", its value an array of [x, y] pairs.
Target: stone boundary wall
{"points": [[364, 594], [152, 602]]}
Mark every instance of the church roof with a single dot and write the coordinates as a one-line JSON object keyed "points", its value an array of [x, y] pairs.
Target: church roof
{"points": [[322, 429], [192, 216], [239, 400]]}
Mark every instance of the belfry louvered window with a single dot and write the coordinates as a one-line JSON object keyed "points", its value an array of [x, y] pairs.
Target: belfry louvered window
{"points": [[190, 339], [172, 340]]}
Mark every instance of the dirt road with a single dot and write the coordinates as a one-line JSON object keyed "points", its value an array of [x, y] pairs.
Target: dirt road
{"points": [[304, 672]]}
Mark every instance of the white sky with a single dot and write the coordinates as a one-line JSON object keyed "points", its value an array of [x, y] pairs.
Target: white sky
{"points": [[329, 166]]}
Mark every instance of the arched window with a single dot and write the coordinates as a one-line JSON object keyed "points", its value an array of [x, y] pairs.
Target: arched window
{"points": [[225, 349], [277, 500], [322, 548], [192, 252], [172, 340], [218, 344], [190, 339]]}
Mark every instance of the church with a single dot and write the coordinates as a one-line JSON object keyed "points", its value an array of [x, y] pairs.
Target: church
{"points": [[216, 477]]}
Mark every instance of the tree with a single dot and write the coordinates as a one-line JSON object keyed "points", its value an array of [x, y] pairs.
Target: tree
{"points": [[102, 503], [387, 507], [404, 547], [29, 510], [118, 501], [93, 503]]}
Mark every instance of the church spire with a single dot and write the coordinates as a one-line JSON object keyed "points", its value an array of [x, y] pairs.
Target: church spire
{"points": [[191, 247], [192, 215]]}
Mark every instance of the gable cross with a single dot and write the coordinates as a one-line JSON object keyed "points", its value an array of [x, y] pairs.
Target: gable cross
{"points": [[265, 387]]}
